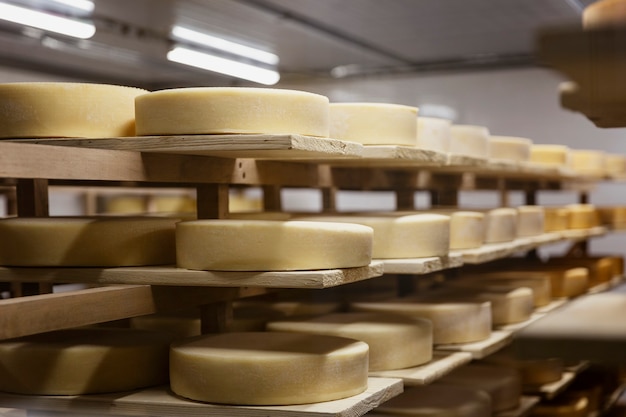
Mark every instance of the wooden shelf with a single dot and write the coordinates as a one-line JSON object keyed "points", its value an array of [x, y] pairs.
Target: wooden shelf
{"points": [[493, 251], [420, 266], [395, 156], [551, 390], [483, 348], [441, 364], [161, 402], [527, 403], [163, 275]]}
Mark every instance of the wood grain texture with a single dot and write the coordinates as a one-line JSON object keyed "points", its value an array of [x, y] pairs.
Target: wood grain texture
{"points": [[420, 266], [441, 364], [478, 350]]}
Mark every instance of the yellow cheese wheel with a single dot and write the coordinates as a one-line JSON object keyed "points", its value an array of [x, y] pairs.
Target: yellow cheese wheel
{"points": [[600, 268], [534, 372], [582, 216], [469, 140], [453, 322], [433, 134], [555, 219], [374, 123], [530, 221], [231, 110], [39, 110], [550, 155], [566, 405], [509, 148], [615, 165], [614, 216], [604, 14], [268, 368], [395, 341], [500, 225], [87, 241], [467, 229], [84, 361], [587, 162], [564, 282], [541, 286], [265, 245]]}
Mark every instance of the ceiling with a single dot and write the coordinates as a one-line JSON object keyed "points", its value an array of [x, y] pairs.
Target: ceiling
{"points": [[313, 38]]}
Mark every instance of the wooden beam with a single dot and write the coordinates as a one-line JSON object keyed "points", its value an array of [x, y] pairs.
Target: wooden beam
{"points": [[212, 201], [32, 197]]}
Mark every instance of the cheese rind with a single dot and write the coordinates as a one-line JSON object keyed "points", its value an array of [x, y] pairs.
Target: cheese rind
{"points": [[604, 14], [500, 225], [467, 229], [87, 241], [587, 162], [268, 368], [582, 216], [555, 219], [530, 221], [541, 287], [469, 140], [231, 110], [83, 361], [433, 134], [550, 155], [509, 148], [395, 341], [374, 123], [533, 372], [47, 109], [260, 245]]}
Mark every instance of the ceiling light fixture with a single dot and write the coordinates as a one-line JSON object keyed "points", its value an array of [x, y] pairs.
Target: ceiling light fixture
{"points": [[47, 22], [83, 5], [181, 33], [223, 66]]}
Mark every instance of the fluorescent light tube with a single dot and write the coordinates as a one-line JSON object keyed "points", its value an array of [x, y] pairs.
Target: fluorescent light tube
{"points": [[84, 5], [203, 39], [223, 66], [46, 21]]}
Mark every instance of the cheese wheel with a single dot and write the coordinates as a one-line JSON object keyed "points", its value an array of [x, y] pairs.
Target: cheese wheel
{"points": [[467, 229], [555, 219], [395, 341], [541, 287], [433, 134], [231, 110], [411, 236], [87, 241], [453, 322], [582, 216], [436, 400], [564, 282], [83, 361], [615, 165], [550, 155], [600, 269], [604, 14], [469, 140], [503, 385], [509, 148], [533, 372], [613, 216], [304, 308], [179, 324], [587, 162], [268, 368], [265, 245], [530, 221], [40, 110], [500, 225], [374, 123], [566, 405]]}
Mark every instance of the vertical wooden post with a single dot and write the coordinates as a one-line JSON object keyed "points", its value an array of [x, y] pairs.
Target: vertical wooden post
{"points": [[445, 197], [216, 317], [405, 199], [329, 199], [212, 201], [271, 198], [530, 197], [503, 192]]}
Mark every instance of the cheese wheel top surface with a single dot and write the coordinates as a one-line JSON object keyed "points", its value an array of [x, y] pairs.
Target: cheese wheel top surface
{"points": [[231, 110], [45, 109], [374, 123], [268, 368]]}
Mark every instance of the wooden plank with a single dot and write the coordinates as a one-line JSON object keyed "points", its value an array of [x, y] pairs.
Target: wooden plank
{"points": [[441, 364], [161, 402], [420, 266], [479, 350], [552, 389], [161, 275], [41, 313], [527, 403], [287, 146], [394, 156]]}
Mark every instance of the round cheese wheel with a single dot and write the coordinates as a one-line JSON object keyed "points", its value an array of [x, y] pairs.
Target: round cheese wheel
{"points": [[614, 216], [433, 134], [530, 221], [453, 322], [533, 372], [500, 225], [40, 110], [395, 341], [469, 140], [582, 216], [374, 123], [615, 165], [566, 405], [604, 14], [555, 219], [404, 236], [503, 385], [587, 162], [541, 286], [564, 282], [550, 155], [509, 148], [266, 245], [437, 400], [87, 241], [268, 368], [467, 229], [231, 110], [84, 361]]}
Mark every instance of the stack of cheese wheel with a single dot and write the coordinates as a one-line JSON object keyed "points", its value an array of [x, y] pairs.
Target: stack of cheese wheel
{"points": [[87, 241], [604, 14], [40, 110], [231, 110], [268, 368], [530, 221], [533, 372], [550, 155], [453, 322], [555, 219], [84, 361], [395, 341], [541, 287], [374, 123], [437, 400], [403, 236], [433, 134], [500, 225], [503, 385], [468, 140], [266, 245], [582, 216], [587, 162], [509, 148], [601, 269]]}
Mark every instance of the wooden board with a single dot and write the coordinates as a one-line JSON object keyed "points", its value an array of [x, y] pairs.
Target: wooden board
{"points": [[552, 389], [441, 364], [395, 156], [527, 403], [420, 266], [163, 275], [479, 350], [493, 251], [464, 161], [582, 234], [233, 146], [161, 402]]}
